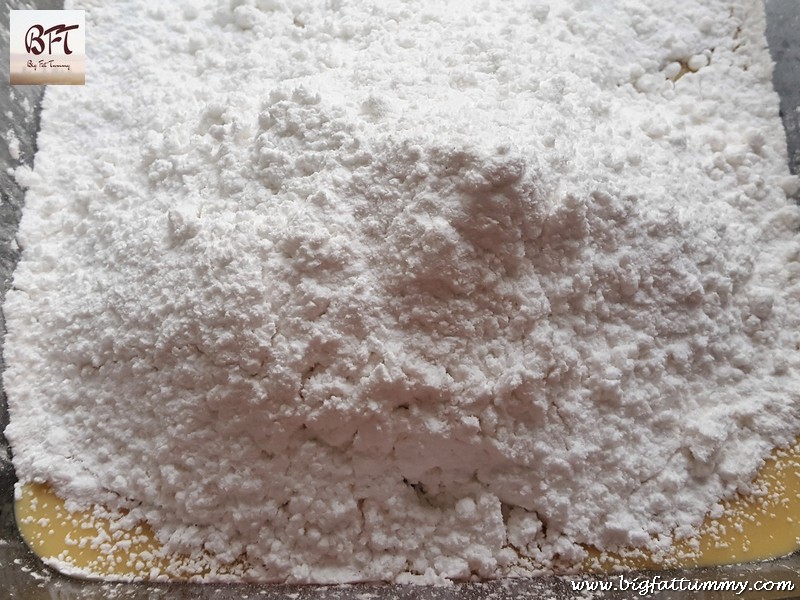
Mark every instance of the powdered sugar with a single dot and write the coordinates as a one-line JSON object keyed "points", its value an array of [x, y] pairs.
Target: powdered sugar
{"points": [[407, 291]]}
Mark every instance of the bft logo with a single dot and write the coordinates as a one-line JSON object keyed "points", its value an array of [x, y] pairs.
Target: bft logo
{"points": [[47, 47], [35, 43]]}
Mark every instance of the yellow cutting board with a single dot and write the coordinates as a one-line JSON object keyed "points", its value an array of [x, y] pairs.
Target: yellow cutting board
{"points": [[751, 528]]}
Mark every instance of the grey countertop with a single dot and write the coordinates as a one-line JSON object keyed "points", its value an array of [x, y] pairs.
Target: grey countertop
{"points": [[24, 577], [783, 34]]}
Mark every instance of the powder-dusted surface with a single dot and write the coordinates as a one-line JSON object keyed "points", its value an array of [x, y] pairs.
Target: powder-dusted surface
{"points": [[376, 292]]}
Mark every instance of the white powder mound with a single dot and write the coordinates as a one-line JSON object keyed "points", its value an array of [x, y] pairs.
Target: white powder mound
{"points": [[357, 290]]}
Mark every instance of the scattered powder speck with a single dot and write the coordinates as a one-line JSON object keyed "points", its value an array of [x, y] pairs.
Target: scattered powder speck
{"points": [[407, 291], [12, 141]]}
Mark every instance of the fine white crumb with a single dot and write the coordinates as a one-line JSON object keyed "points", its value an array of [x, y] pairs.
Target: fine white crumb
{"points": [[12, 142], [414, 291]]}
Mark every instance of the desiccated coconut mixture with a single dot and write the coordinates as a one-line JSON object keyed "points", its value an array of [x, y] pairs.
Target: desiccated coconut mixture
{"points": [[344, 290]]}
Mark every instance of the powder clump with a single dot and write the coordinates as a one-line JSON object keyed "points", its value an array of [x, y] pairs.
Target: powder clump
{"points": [[409, 291]]}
